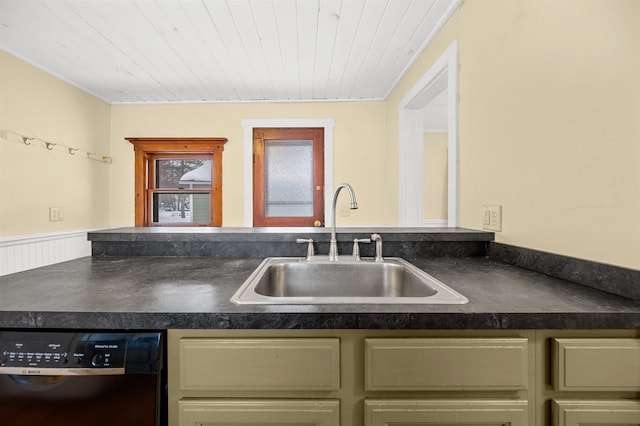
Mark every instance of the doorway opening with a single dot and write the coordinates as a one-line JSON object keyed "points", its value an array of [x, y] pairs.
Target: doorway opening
{"points": [[439, 85]]}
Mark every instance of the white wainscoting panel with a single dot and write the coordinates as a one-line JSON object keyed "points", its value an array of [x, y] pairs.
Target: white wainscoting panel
{"points": [[25, 252]]}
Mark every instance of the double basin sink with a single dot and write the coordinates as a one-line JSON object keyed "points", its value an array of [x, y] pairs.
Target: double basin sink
{"points": [[295, 281]]}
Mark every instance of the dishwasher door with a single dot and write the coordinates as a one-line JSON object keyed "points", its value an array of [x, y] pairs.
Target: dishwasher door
{"points": [[89, 378]]}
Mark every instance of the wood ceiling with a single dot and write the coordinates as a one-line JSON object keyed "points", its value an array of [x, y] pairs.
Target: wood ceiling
{"points": [[137, 51]]}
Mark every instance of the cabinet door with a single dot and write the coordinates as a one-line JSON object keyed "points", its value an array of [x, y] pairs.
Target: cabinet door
{"points": [[604, 412], [260, 364], [445, 364], [596, 364], [197, 412], [445, 412]]}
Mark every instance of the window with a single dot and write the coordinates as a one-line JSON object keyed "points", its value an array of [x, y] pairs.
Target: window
{"points": [[178, 181], [288, 177]]}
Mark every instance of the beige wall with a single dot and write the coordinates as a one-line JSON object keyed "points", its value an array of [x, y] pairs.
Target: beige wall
{"points": [[32, 179], [549, 122], [549, 129], [359, 150]]}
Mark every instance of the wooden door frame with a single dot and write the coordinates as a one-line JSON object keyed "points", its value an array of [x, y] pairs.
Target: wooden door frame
{"points": [[260, 136], [249, 124]]}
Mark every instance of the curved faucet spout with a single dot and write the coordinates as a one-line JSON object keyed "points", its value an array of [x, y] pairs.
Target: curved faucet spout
{"points": [[333, 244]]}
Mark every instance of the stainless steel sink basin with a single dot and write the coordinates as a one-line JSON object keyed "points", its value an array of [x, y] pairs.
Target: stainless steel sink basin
{"points": [[280, 280]]}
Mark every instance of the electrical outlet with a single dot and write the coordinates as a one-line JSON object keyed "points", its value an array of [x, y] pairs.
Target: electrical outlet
{"points": [[56, 214], [492, 218], [344, 210]]}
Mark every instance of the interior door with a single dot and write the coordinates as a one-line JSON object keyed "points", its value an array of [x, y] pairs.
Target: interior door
{"points": [[288, 177]]}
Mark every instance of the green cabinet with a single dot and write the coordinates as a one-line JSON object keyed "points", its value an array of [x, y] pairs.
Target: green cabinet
{"points": [[425, 364], [596, 364], [460, 412], [258, 412], [599, 412], [289, 364], [595, 381], [453, 366], [234, 378], [404, 377]]}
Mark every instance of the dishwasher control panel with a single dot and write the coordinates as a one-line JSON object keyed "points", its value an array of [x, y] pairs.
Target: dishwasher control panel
{"points": [[62, 350]]}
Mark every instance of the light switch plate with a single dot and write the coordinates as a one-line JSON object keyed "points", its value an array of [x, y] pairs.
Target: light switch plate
{"points": [[56, 214], [492, 218]]}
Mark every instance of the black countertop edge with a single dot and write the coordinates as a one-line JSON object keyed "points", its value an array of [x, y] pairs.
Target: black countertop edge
{"points": [[175, 234], [342, 321], [612, 279]]}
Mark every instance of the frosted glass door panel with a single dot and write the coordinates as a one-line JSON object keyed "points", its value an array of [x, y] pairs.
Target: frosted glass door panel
{"points": [[288, 178]]}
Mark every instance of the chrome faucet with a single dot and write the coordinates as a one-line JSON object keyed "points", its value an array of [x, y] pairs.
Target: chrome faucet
{"points": [[333, 244]]}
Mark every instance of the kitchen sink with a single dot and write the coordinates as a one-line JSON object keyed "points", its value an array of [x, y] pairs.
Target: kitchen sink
{"points": [[285, 280]]}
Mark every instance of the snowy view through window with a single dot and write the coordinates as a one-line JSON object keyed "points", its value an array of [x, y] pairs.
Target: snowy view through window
{"points": [[182, 175]]}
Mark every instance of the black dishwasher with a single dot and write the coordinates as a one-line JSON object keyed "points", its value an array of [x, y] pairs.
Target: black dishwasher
{"points": [[81, 378]]}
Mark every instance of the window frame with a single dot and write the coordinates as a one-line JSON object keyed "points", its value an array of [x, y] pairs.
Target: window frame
{"points": [[153, 189], [146, 149]]}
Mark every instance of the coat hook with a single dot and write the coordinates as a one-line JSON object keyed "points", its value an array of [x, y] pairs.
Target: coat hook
{"points": [[50, 145], [72, 151], [91, 155], [26, 140]]}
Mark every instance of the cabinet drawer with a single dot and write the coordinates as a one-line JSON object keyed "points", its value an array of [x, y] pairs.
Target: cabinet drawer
{"points": [[446, 364], [260, 364], [596, 364], [259, 412], [445, 412], [605, 412]]}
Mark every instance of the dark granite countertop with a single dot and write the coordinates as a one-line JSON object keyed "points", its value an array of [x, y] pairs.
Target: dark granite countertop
{"points": [[237, 242], [193, 292], [283, 234]]}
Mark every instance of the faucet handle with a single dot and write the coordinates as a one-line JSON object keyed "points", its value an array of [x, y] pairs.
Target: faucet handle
{"points": [[356, 248], [310, 251]]}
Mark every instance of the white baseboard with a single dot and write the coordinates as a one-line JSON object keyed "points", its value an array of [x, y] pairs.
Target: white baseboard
{"points": [[24, 252]]}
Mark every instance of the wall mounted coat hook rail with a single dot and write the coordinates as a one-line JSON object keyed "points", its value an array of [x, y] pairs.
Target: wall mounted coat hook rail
{"points": [[10, 136]]}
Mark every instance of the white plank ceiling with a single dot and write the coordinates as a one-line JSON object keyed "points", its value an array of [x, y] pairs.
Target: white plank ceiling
{"points": [[136, 51]]}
